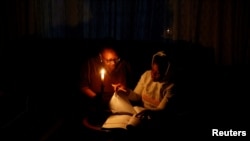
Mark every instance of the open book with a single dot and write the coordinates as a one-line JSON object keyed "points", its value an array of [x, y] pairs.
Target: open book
{"points": [[123, 113]]}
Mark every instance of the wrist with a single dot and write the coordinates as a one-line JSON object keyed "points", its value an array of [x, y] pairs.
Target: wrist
{"points": [[124, 92], [93, 95], [128, 91]]}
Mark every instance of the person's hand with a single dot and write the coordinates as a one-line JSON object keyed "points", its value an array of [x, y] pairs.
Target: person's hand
{"points": [[119, 87], [144, 115]]}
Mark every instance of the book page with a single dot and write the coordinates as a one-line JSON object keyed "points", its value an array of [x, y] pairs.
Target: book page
{"points": [[138, 109], [116, 121], [123, 113], [119, 103]]}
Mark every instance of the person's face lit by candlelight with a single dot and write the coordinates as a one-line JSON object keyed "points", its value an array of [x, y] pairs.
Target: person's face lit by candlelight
{"points": [[109, 58]]}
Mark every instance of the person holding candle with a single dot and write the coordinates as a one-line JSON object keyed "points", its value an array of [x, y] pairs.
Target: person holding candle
{"points": [[99, 73]]}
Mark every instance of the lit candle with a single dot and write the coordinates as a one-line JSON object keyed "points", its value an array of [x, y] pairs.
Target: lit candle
{"points": [[102, 74], [102, 78]]}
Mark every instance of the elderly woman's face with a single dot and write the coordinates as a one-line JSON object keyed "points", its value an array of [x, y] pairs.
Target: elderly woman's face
{"points": [[110, 59]]}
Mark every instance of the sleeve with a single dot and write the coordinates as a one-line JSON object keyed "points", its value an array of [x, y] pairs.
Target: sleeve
{"points": [[168, 93]]}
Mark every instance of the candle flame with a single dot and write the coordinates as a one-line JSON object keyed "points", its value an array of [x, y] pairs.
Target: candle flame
{"points": [[102, 73]]}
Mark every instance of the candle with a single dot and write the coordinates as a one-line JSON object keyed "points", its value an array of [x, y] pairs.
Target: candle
{"points": [[102, 78], [102, 74]]}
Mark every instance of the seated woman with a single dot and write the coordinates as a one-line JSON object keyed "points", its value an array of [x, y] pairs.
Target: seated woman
{"points": [[153, 90]]}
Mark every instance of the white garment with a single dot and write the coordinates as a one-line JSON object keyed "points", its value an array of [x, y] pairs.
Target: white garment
{"points": [[154, 95]]}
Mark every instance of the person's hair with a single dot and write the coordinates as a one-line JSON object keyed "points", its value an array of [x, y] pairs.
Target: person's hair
{"points": [[109, 47]]}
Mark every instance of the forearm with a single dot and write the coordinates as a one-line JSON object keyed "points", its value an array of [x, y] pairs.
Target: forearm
{"points": [[167, 96], [134, 96], [88, 92]]}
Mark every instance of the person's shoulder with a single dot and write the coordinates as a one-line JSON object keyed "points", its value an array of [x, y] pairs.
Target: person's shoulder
{"points": [[146, 73], [146, 76]]}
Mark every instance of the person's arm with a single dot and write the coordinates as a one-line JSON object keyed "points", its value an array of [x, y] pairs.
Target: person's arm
{"points": [[168, 94], [85, 72], [88, 92]]}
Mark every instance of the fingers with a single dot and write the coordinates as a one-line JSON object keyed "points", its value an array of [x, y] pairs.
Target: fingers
{"points": [[140, 114], [115, 86], [118, 87], [145, 114], [121, 89]]}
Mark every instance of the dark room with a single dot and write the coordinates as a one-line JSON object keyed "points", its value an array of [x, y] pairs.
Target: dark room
{"points": [[82, 70]]}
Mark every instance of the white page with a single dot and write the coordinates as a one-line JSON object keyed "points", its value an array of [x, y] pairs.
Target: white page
{"points": [[119, 103], [117, 121]]}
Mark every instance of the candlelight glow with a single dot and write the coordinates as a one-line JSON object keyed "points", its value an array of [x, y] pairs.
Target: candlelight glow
{"points": [[102, 73]]}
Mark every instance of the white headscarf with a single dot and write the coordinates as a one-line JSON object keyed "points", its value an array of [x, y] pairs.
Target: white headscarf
{"points": [[161, 54]]}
